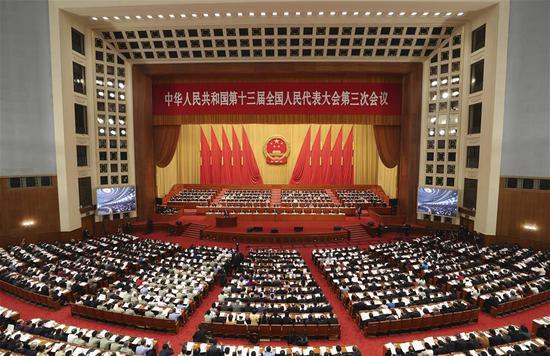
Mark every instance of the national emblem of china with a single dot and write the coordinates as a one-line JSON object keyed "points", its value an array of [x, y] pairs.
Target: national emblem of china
{"points": [[276, 150]]}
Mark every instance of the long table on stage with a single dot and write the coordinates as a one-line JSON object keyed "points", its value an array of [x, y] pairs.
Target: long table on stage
{"points": [[212, 218], [226, 221], [279, 213], [268, 237]]}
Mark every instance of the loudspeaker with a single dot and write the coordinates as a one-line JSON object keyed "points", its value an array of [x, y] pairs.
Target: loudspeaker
{"points": [[337, 228], [298, 228], [250, 229], [393, 203], [158, 201], [274, 230]]}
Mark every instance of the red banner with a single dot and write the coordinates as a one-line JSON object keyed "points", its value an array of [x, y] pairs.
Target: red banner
{"points": [[277, 98]]}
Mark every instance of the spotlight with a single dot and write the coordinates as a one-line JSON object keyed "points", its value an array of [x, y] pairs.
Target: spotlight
{"points": [[27, 223]]}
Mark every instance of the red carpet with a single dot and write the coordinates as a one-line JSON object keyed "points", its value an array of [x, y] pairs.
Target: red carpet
{"points": [[351, 334]]}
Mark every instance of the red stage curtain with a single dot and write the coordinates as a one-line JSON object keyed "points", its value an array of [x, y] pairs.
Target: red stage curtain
{"points": [[216, 158], [387, 143], [325, 158], [165, 142], [237, 159], [250, 167], [226, 164], [336, 157], [347, 172], [316, 174], [300, 172], [206, 171]]}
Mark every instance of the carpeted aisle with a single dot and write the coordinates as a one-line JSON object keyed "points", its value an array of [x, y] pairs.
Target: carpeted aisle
{"points": [[350, 332]]}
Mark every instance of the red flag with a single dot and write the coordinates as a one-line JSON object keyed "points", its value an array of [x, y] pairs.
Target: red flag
{"points": [[236, 173], [347, 172], [250, 167], [226, 162], [316, 174], [336, 156], [325, 158], [300, 174], [206, 174], [216, 158]]}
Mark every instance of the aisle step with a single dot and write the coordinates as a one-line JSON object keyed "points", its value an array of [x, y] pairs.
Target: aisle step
{"points": [[357, 232], [194, 230]]}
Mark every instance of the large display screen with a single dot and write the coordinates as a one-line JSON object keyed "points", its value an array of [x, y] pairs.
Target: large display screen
{"points": [[437, 201], [115, 200]]}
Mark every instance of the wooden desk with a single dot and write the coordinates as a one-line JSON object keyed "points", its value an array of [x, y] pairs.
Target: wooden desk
{"points": [[226, 221]]}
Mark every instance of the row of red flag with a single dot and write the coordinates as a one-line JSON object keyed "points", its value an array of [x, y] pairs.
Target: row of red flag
{"points": [[326, 165], [314, 165], [228, 166]]}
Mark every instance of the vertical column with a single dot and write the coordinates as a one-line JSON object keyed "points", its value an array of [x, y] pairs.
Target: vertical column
{"points": [[441, 118], [70, 78], [113, 124], [487, 37]]}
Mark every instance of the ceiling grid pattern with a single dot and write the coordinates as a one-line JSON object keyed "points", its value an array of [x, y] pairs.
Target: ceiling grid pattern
{"points": [[372, 42]]}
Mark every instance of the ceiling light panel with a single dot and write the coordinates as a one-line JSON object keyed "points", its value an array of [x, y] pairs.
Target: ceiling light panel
{"points": [[251, 42]]}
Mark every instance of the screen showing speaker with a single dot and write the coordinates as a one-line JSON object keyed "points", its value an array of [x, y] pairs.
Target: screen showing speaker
{"points": [[115, 200], [437, 201]]}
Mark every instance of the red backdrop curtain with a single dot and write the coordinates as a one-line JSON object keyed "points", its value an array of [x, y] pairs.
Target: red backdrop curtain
{"points": [[251, 171], [227, 167], [216, 158], [347, 171], [388, 143], [300, 174], [165, 142], [237, 159], [206, 172], [336, 158], [316, 165]]}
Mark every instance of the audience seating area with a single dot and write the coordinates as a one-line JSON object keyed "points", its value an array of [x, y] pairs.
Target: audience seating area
{"points": [[274, 294], [498, 279], [541, 327], [402, 286], [193, 348], [306, 198], [194, 196], [386, 298], [53, 275], [363, 198], [7, 316], [500, 341], [245, 198], [494, 278], [39, 336], [161, 295]]}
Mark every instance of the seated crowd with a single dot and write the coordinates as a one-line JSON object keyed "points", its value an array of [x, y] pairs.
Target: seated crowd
{"points": [[196, 349], [487, 276], [354, 198], [245, 198], [541, 327], [48, 337], [7, 316], [271, 287], [306, 198], [196, 196], [167, 289], [62, 270], [498, 341], [376, 290]]}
